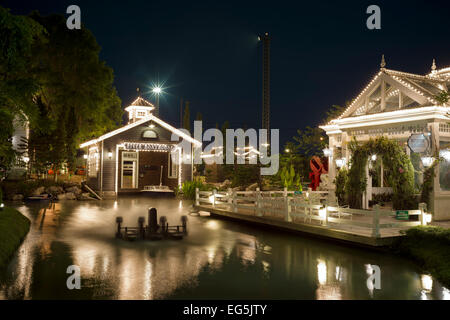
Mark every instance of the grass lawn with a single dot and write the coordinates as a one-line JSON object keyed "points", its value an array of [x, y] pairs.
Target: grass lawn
{"points": [[13, 229], [430, 247]]}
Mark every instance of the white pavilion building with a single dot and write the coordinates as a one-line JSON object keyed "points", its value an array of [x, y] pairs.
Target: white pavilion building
{"points": [[398, 105]]}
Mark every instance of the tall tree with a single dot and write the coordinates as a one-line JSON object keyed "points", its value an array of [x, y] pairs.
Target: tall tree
{"points": [[17, 82], [76, 99]]}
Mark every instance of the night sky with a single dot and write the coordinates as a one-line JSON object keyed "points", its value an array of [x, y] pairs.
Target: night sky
{"points": [[207, 52]]}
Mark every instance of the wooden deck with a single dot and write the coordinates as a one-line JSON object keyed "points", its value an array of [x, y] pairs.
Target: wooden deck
{"points": [[354, 235], [309, 213]]}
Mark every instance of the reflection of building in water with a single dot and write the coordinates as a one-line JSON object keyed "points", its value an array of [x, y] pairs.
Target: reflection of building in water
{"points": [[48, 221], [144, 272], [329, 287]]}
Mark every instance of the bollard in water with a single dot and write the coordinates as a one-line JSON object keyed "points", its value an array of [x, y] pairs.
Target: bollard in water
{"points": [[119, 221], [152, 220], [141, 221], [184, 223], [162, 223]]}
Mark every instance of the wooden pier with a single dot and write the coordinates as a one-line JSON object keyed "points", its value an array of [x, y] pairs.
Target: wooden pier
{"points": [[309, 214]]}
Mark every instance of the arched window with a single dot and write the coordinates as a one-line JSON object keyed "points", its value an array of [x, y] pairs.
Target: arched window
{"points": [[149, 134]]}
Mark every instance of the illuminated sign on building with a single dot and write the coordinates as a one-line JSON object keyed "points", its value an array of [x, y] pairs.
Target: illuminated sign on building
{"points": [[148, 146]]}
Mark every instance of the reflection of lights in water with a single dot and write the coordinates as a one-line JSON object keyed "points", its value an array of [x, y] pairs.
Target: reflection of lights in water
{"points": [[147, 288], [212, 224], [84, 256], [322, 272], [115, 205], [211, 254], [266, 266], [427, 282], [105, 264], [180, 205], [445, 294], [338, 273], [327, 291], [423, 295], [369, 283], [125, 280]]}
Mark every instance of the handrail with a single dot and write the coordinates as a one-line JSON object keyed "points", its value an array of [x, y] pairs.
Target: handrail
{"points": [[292, 208]]}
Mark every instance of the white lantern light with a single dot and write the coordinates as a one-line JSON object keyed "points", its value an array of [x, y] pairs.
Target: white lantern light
{"points": [[110, 155], [427, 161], [327, 152], [340, 162], [374, 157], [85, 156], [445, 154]]}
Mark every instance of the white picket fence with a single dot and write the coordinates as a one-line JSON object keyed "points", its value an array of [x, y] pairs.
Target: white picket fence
{"points": [[311, 207]]}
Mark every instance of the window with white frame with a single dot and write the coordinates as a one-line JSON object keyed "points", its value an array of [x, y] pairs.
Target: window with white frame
{"points": [[93, 162], [173, 166]]}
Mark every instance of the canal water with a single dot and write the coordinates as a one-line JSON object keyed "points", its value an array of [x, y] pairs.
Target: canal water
{"points": [[217, 260]]}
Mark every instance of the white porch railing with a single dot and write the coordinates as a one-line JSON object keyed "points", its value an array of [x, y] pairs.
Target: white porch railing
{"points": [[310, 207]]}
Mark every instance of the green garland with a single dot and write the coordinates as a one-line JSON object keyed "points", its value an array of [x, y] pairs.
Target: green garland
{"points": [[394, 160]]}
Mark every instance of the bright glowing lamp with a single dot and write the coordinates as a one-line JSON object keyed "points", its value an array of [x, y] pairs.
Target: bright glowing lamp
{"points": [[340, 162], [323, 213], [157, 90], [445, 154], [374, 157], [152, 125], [287, 150], [427, 161], [327, 152], [427, 282], [110, 155], [85, 156]]}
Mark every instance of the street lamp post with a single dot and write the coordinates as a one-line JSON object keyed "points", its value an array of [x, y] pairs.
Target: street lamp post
{"points": [[157, 91]]}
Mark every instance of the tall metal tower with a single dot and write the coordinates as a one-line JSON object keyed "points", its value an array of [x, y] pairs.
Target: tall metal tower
{"points": [[266, 84]]}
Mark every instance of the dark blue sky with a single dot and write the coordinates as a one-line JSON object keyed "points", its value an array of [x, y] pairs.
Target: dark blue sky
{"points": [[207, 52]]}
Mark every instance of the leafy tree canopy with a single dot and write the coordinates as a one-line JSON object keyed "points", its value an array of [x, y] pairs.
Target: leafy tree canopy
{"points": [[76, 99], [17, 83]]}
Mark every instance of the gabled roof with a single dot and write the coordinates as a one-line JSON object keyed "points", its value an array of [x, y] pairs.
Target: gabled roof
{"points": [[140, 102], [421, 88], [138, 123]]}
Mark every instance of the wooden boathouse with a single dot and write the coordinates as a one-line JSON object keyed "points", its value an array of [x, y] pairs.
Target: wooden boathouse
{"points": [[138, 157]]}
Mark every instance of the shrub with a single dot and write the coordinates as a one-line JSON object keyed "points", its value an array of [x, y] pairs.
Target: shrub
{"points": [[430, 247], [13, 229], [340, 181], [245, 175], [189, 187]]}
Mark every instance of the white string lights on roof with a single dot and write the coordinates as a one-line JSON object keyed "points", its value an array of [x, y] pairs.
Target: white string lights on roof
{"points": [[350, 107], [406, 84]]}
